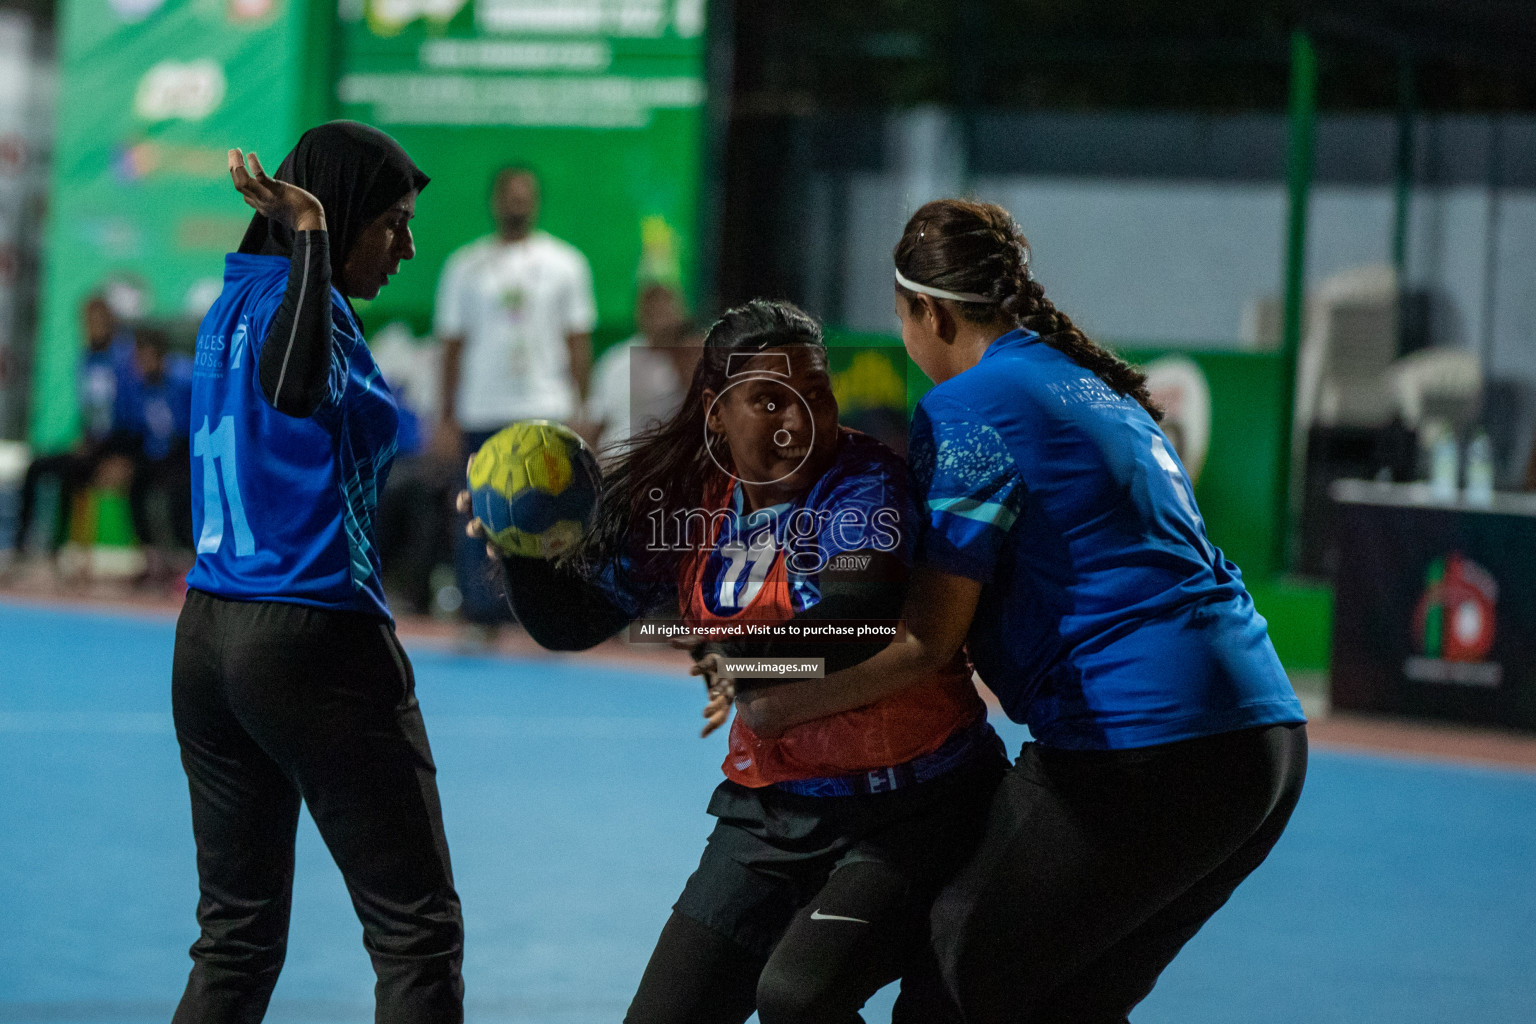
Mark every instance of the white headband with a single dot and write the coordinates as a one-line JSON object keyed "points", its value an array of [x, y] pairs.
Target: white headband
{"points": [[939, 293]]}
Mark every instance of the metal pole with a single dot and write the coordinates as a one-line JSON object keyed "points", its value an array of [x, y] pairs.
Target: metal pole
{"points": [[1403, 192], [1299, 161], [971, 52], [1491, 218], [719, 74]]}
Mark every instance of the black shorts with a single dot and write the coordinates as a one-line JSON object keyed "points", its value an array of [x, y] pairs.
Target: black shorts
{"points": [[772, 851]]}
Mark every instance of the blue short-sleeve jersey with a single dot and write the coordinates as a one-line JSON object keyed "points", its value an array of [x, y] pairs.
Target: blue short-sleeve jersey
{"points": [[1106, 618], [106, 378], [284, 508], [158, 412]]}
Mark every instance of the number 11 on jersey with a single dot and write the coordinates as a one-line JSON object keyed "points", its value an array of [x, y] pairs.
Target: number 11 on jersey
{"points": [[218, 448]]}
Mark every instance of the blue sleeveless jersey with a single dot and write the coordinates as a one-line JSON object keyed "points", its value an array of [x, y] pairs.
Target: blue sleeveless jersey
{"points": [[1106, 619], [283, 508]]}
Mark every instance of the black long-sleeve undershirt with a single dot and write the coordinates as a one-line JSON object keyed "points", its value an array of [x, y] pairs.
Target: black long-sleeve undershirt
{"points": [[560, 609], [295, 363], [565, 612]]}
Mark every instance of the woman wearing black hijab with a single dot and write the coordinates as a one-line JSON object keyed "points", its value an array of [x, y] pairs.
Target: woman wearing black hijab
{"points": [[289, 684]]}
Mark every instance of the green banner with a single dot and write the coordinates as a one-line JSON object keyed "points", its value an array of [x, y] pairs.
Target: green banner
{"points": [[603, 98], [152, 94]]}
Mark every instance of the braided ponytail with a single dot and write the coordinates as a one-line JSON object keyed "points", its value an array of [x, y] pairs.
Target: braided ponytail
{"points": [[978, 249]]}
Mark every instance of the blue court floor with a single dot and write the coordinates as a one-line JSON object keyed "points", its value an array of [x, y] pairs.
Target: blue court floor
{"points": [[1403, 893]]}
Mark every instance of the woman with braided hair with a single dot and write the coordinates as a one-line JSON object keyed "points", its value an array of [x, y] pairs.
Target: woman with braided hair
{"points": [[1060, 545]]}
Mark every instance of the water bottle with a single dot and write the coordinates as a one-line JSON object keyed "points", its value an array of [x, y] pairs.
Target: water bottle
{"points": [[1479, 489], [1442, 463]]}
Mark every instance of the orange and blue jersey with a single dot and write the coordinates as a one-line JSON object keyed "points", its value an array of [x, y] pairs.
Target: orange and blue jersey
{"points": [[762, 567]]}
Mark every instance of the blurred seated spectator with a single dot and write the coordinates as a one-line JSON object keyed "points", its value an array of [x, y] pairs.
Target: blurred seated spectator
{"points": [[106, 366], [416, 528], [640, 381], [154, 416], [416, 519]]}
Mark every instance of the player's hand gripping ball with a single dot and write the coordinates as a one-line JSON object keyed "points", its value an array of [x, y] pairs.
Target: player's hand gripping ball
{"points": [[534, 485]]}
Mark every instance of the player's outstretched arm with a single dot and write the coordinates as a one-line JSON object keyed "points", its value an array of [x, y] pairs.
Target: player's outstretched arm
{"points": [[937, 613], [559, 609]]}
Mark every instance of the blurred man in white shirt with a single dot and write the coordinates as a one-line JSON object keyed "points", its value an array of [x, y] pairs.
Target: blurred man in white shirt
{"points": [[514, 315]]}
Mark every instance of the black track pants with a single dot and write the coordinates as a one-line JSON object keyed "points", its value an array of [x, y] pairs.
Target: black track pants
{"points": [[1096, 868], [277, 703]]}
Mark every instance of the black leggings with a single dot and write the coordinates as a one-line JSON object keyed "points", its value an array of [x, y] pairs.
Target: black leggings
{"points": [[1095, 870], [277, 703]]}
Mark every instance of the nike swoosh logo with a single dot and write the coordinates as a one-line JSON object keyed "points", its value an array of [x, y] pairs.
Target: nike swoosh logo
{"points": [[817, 915]]}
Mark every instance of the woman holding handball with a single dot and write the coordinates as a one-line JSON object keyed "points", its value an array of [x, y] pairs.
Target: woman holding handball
{"points": [[750, 506], [289, 684], [1060, 545]]}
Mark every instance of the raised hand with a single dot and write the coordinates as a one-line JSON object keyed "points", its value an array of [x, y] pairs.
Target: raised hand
{"points": [[276, 200], [721, 687], [719, 707]]}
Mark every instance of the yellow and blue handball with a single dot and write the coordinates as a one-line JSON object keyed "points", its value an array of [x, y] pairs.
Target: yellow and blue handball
{"points": [[535, 485]]}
